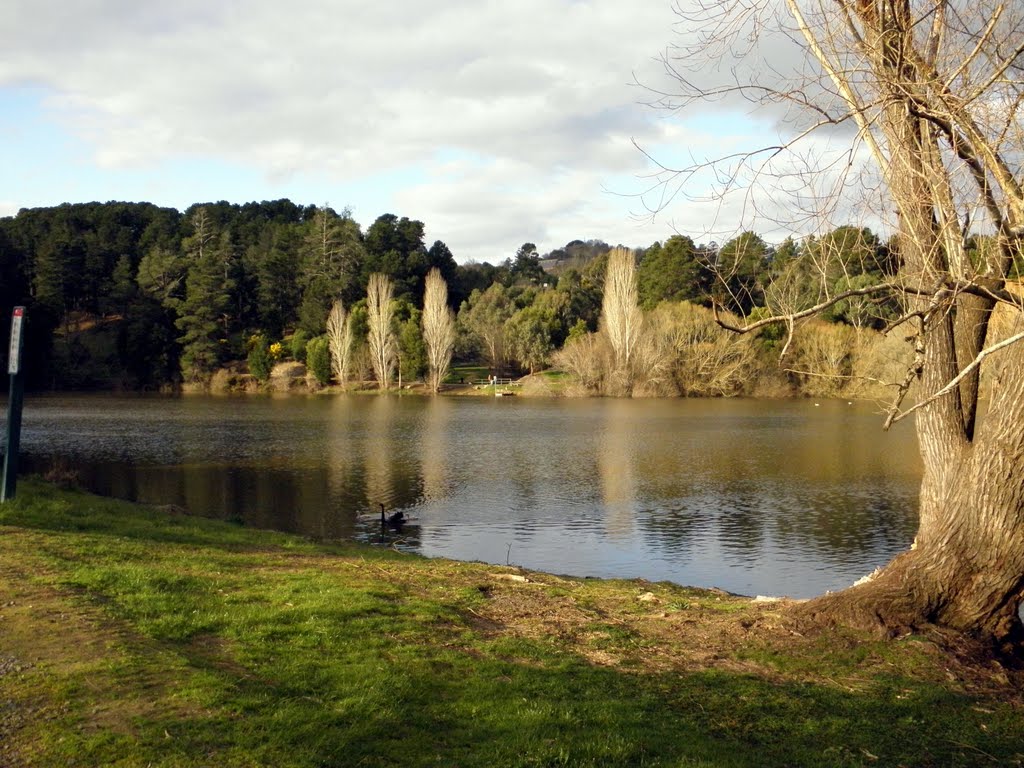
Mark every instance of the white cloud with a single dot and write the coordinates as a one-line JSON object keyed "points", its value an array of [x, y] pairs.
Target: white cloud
{"points": [[357, 86], [531, 99]]}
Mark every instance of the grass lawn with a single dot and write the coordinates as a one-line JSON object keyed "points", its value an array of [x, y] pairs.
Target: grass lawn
{"points": [[467, 374], [132, 637]]}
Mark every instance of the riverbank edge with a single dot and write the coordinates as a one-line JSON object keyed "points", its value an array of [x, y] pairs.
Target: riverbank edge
{"points": [[544, 384], [131, 635], [294, 378]]}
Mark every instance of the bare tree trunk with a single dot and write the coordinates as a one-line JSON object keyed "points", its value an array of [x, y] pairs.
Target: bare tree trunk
{"points": [[438, 329], [381, 339], [966, 569]]}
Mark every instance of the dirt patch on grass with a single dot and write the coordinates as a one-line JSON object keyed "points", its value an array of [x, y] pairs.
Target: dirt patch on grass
{"points": [[637, 625], [669, 629], [41, 634], [58, 652]]}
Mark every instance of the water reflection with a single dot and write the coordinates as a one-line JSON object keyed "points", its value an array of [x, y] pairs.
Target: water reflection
{"points": [[435, 438], [615, 456], [751, 496], [380, 450]]}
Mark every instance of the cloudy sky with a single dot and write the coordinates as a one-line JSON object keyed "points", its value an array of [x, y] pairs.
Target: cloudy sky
{"points": [[494, 123]]}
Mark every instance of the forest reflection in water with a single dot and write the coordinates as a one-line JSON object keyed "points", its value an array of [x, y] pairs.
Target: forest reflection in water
{"points": [[753, 496]]}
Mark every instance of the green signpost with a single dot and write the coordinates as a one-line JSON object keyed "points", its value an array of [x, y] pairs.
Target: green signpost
{"points": [[13, 442]]}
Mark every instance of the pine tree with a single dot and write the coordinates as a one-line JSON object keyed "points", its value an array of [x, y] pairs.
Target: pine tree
{"points": [[203, 312]]}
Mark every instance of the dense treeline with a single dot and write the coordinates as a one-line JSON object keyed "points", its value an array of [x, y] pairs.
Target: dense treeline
{"points": [[131, 295], [180, 293]]}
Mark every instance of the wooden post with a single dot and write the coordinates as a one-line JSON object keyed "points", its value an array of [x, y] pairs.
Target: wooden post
{"points": [[14, 403]]}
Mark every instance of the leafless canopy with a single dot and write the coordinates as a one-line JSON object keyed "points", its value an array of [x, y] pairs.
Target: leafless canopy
{"points": [[923, 98], [381, 339], [621, 317], [339, 341], [438, 328]]}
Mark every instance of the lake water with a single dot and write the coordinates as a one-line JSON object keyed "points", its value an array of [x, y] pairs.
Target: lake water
{"points": [[752, 496]]}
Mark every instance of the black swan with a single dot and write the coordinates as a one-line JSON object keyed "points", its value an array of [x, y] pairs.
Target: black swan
{"points": [[395, 520]]}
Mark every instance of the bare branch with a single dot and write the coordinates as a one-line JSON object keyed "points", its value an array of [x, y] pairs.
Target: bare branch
{"points": [[792, 317], [952, 385]]}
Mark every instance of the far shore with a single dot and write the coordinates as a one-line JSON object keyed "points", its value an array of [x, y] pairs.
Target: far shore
{"points": [[294, 378]]}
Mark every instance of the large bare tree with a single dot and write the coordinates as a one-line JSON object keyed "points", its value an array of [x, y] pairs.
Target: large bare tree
{"points": [[438, 328], [932, 94], [381, 338]]}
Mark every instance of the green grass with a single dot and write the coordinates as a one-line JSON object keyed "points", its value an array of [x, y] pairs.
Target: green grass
{"points": [[467, 374], [211, 644]]}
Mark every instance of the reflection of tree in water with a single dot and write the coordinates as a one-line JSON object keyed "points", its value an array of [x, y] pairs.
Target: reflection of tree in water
{"points": [[524, 470], [316, 512], [344, 476], [390, 455], [708, 484], [263, 497], [615, 459], [840, 523], [675, 529], [706, 487], [790, 485], [378, 452], [741, 520], [434, 450]]}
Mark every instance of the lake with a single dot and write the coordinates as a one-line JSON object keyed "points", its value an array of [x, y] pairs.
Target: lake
{"points": [[772, 497]]}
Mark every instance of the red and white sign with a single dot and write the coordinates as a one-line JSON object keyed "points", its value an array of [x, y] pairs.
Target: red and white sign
{"points": [[14, 352]]}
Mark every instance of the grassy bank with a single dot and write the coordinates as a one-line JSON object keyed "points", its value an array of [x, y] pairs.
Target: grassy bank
{"points": [[132, 637]]}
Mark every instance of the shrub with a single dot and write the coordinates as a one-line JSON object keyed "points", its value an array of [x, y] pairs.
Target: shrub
{"points": [[822, 358], [704, 358], [318, 359], [298, 345], [259, 359], [587, 358]]}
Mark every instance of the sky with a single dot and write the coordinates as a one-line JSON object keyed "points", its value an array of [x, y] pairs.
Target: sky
{"points": [[494, 123]]}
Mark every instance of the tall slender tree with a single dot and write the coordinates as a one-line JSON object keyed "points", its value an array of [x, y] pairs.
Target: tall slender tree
{"points": [[333, 256], [381, 337], [438, 329], [621, 317], [202, 313], [339, 339]]}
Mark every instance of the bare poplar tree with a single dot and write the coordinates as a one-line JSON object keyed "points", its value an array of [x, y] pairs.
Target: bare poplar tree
{"points": [[339, 338], [383, 346], [438, 328], [933, 91], [621, 317]]}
